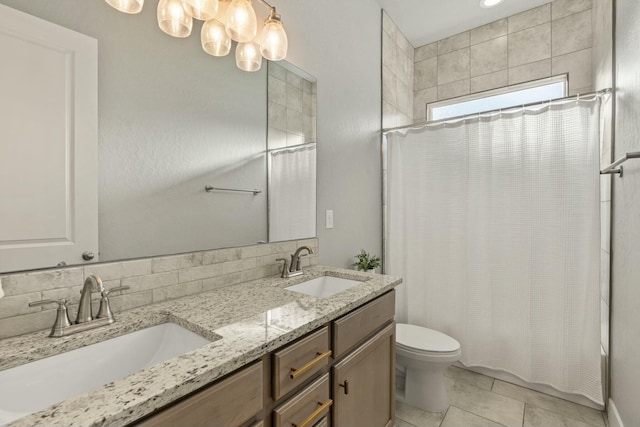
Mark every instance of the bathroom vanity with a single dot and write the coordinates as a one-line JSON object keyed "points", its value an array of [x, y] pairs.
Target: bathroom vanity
{"points": [[277, 358]]}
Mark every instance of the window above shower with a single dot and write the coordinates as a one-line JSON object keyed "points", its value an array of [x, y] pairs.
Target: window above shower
{"points": [[506, 97]]}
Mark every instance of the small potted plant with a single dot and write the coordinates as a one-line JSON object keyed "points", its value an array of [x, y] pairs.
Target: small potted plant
{"points": [[367, 262]]}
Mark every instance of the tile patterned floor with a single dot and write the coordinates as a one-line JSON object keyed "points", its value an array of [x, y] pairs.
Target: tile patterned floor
{"points": [[480, 401]]}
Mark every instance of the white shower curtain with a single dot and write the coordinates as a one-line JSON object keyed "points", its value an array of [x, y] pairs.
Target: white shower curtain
{"points": [[292, 193], [494, 225]]}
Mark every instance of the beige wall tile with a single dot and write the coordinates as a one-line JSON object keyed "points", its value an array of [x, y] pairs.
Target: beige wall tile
{"points": [[528, 72], [294, 98], [277, 116], [294, 122], [277, 71], [389, 51], [402, 97], [530, 45], [572, 33], [128, 301], [277, 91], [388, 86], [425, 74], [454, 89], [402, 66], [453, 66], [152, 281], [294, 80], [488, 57], [202, 272], [490, 31], [450, 44], [580, 90], [489, 81], [530, 18], [138, 267], [222, 255], [19, 304], [425, 52], [388, 25], [562, 8], [235, 266], [26, 323], [420, 100], [25, 283], [404, 45], [577, 64], [221, 281], [388, 115]]}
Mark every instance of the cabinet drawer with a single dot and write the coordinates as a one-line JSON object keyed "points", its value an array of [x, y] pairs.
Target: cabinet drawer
{"points": [[230, 403], [355, 327], [298, 362], [306, 407]]}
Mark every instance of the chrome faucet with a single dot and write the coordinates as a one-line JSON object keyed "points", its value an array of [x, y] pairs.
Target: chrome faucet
{"points": [[84, 320], [293, 269]]}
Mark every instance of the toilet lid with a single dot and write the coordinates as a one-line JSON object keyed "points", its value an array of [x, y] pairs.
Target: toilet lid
{"points": [[425, 339]]}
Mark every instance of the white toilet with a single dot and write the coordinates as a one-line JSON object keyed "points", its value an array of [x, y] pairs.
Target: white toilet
{"points": [[422, 356]]}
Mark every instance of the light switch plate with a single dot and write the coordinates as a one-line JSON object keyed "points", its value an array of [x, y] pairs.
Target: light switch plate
{"points": [[329, 219]]}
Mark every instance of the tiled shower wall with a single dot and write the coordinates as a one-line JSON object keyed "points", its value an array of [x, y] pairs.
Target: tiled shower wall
{"points": [[150, 280], [552, 39], [397, 76], [603, 78], [292, 108]]}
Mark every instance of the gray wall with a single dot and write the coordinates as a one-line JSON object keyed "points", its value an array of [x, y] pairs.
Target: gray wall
{"points": [[625, 250], [338, 42], [171, 120]]}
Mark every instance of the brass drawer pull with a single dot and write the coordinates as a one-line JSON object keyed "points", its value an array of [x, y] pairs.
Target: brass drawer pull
{"points": [[345, 386], [315, 413], [296, 372]]}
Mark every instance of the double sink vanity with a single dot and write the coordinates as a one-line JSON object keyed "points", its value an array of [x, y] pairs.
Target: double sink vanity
{"points": [[317, 349]]}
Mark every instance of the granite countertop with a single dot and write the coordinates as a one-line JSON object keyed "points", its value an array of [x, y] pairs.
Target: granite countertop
{"points": [[253, 318]]}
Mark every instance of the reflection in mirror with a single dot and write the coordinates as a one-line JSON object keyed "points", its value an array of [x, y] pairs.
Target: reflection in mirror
{"points": [[292, 153], [171, 120]]}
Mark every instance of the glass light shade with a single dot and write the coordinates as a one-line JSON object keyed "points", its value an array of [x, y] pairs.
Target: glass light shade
{"points": [[242, 24], [273, 39], [202, 9], [126, 6], [215, 40], [248, 57], [173, 18]]}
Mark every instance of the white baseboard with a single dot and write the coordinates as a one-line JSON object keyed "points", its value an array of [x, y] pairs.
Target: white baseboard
{"points": [[613, 416]]}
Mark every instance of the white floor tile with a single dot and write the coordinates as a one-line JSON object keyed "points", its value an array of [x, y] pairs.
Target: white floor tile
{"points": [[473, 378], [590, 416], [418, 417], [538, 417], [458, 418]]}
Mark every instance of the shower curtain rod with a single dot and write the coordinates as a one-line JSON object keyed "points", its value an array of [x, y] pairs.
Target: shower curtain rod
{"points": [[510, 109]]}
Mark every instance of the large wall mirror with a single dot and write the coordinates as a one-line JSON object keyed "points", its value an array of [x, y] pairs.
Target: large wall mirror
{"points": [[171, 121]]}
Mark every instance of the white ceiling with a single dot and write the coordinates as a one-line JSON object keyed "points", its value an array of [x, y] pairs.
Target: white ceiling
{"points": [[426, 21]]}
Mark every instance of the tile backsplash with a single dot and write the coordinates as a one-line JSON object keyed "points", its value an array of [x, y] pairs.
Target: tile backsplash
{"points": [[150, 280]]}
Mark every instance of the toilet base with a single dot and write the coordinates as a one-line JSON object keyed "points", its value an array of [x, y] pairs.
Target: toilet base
{"points": [[425, 389]]}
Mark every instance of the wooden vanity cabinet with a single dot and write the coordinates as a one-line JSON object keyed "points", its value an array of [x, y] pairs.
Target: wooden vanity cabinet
{"points": [[340, 375], [231, 402], [364, 383]]}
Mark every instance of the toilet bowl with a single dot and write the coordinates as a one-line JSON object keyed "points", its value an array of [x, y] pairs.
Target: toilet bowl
{"points": [[423, 355]]}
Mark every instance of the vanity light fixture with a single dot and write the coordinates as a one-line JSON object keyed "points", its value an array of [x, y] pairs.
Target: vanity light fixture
{"points": [[490, 3], [224, 21], [126, 6]]}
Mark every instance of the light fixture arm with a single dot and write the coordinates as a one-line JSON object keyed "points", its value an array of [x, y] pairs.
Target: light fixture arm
{"points": [[273, 8]]}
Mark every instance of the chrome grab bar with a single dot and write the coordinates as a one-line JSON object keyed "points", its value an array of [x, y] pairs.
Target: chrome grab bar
{"points": [[613, 167], [210, 188]]}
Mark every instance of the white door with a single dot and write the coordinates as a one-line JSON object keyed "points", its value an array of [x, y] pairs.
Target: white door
{"points": [[48, 143]]}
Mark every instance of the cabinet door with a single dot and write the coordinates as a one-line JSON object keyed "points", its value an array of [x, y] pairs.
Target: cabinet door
{"points": [[228, 403], [364, 383]]}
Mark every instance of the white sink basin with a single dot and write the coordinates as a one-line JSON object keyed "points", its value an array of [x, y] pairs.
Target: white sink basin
{"points": [[34, 386], [324, 286]]}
